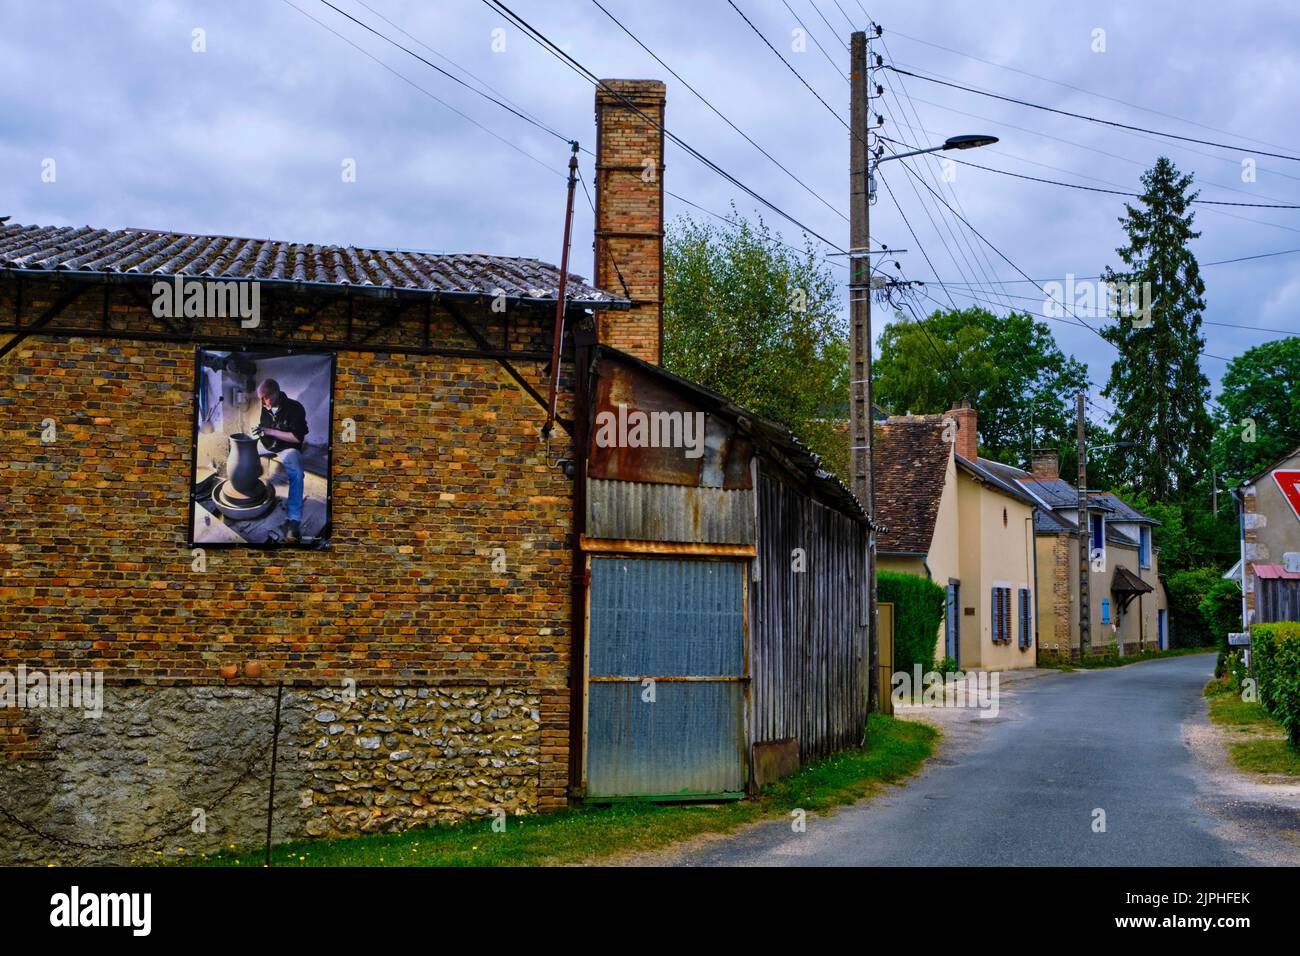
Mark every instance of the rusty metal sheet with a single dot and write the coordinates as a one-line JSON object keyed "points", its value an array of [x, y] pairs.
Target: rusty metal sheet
{"points": [[653, 512], [624, 390]]}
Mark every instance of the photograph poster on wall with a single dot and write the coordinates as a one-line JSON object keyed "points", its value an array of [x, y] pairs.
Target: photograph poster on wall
{"points": [[262, 424]]}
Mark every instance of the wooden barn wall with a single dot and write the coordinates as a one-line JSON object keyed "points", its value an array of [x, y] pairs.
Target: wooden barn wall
{"points": [[809, 657]]}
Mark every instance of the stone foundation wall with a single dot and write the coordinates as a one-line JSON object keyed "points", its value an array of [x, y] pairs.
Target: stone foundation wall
{"points": [[163, 762]]}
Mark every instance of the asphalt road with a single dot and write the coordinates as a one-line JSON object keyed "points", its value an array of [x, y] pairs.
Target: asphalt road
{"points": [[1021, 789]]}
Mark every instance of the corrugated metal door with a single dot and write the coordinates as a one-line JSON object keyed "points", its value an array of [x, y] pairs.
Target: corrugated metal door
{"points": [[666, 678]]}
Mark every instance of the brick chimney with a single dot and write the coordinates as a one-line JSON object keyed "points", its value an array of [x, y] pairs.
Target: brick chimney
{"points": [[967, 426], [630, 214], [1045, 463]]}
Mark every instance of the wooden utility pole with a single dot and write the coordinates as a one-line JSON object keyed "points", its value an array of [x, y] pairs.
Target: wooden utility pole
{"points": [[860, 319], [1085, 563]]}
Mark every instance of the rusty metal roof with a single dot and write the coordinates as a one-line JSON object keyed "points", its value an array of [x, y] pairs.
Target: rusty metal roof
{"points": [[88, 251], [772, 440]]}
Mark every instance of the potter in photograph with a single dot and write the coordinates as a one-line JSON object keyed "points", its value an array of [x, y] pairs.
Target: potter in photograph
{"points": [[261, 448]]}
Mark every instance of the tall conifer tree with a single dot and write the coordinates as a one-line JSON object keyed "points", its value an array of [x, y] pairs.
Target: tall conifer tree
{"points": [[1160, 394]]}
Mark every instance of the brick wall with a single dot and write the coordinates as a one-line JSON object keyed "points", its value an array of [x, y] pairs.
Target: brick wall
{"points": [[1250, 539], [448, 464], [630, 212]]}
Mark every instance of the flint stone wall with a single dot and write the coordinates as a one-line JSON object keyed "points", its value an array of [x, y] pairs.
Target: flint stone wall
{"points": [[381, 759]]}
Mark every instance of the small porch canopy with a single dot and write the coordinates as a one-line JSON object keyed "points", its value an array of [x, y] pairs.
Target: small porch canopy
{"points": [[1126, 585]]}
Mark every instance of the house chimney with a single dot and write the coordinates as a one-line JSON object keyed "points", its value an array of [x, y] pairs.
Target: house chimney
{"points": [[630, 213], [967, 426], [1045, 463]]}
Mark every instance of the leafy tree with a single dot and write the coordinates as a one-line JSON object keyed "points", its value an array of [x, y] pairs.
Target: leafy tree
{"points": [[748, 317], [1259, 420], [1187, 591], [1189, 535], [1160, 394], [1010, 369]]}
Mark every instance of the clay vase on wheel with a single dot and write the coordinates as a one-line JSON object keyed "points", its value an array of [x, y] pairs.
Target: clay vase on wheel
{"points": [[242, 495], [243, 467]]}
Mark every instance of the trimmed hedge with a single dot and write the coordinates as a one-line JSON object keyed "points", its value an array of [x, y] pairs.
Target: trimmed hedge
{"points": [[918, 609], [1276, 647]]}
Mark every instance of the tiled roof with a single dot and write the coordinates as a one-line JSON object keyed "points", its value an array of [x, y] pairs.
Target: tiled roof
{"points": [[1123, 511], [1056, 492], [911, 464], [145, 252], [980, 469], [1053, 522]]}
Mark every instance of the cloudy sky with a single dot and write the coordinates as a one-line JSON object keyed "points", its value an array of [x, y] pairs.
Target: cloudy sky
{"points": [[249, 136]]}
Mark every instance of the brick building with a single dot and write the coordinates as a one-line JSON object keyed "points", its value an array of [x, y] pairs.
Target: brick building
{"points": [[421, 654], [1269, 531]]}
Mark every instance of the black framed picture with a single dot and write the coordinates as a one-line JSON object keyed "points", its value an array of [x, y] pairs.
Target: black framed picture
{"points": [[263, 419]]}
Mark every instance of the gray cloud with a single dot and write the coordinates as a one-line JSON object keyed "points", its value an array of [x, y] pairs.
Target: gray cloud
{"points": [[248, 138]]}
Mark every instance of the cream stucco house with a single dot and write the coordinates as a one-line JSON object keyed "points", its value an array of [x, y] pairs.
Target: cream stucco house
{"points": [[951, 518], [1128, 605]]}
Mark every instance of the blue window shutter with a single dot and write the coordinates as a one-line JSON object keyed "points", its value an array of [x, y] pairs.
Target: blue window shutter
{"points": [[994, 606], [1022, 612], [1105, 610]]}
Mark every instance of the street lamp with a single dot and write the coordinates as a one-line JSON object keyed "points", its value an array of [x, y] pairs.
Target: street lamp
{"points": [[968, 141]]}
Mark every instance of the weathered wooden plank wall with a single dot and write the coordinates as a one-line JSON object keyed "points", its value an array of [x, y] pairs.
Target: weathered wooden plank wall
{"points": [[809, 662]]}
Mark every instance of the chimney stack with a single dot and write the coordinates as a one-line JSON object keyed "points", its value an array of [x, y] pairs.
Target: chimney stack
{"points": [[967, 427], [1045, 463], [630, 213]]}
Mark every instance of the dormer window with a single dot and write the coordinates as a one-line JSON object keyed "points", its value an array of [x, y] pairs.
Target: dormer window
{"points": [[1098, 528], [1144, 547]]}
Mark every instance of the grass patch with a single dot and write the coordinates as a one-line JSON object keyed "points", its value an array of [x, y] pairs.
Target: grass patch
{"points": [[1230, 709], [1115, 660], [1265, 756], [894, 750], [1257, 742]]}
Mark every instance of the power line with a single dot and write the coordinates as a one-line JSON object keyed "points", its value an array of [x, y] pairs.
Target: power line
{"points": [[455, 79], [759, 33], [1080, 89], [542, 40], [1213, 262], [1226, 325], [1091, 119], [1113, 192], [911, 231], [442, 56], [703, 99], [986, 266], [435, 98], [916, 176], [813, 37]]}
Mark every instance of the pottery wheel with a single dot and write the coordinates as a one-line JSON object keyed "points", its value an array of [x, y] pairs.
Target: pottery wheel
{"points": [[240, 507]]}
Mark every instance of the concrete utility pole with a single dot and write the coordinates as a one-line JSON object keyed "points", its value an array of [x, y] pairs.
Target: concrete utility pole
{"points": [[860, 319], [1085, 564]]}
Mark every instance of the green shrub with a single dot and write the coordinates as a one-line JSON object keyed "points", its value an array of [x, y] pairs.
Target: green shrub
{"points": [[918, 609], [1220, 609], [1186, 590], [1276, 648], [947, 666]]}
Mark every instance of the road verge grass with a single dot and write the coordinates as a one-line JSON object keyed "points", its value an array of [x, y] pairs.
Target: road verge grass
{"points": [[1256, 740], [894, 750]]}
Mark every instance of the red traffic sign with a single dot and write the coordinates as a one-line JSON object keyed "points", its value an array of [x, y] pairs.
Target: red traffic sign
{"points": [[1288, 482]]}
